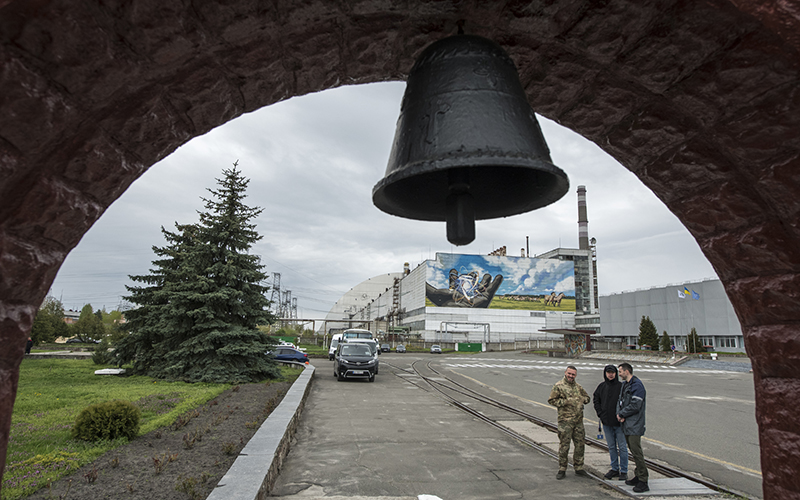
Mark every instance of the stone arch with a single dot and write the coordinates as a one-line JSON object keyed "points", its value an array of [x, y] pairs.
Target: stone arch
{"points": [[699, 99]]}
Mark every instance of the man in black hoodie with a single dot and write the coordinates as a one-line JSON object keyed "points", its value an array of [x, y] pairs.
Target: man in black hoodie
{"points": [[605, 405]]}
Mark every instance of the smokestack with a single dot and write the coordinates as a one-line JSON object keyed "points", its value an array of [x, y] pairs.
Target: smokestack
{"points": [[583, 220]]}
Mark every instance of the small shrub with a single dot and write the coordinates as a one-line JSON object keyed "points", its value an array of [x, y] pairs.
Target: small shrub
{"points": [[189, 440], [109, 420], [229, 448], [183, 420], [92, 475], [102, 355], [187, 485]]}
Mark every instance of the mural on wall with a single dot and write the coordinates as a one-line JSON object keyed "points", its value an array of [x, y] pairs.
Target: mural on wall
{"points": [[575, 344], [495, 282]]}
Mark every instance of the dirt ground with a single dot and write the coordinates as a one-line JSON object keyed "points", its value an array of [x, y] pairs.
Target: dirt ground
{"points": [[185, 460]]}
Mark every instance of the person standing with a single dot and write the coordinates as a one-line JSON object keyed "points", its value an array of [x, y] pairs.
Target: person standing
{"points": [[631, 413], [28, 345], [569, 397], [605, 400]]}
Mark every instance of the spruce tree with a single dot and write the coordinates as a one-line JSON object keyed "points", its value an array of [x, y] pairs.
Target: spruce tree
{"points": [[199, 311], [693, 343], [648, 335], [666, 342]]}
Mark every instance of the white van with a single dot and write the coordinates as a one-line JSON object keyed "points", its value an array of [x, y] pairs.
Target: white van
{"points": [[332, 348], [357, 333]]}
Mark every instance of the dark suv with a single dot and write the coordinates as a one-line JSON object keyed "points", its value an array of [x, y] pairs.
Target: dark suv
{"points": [[354, 360]]}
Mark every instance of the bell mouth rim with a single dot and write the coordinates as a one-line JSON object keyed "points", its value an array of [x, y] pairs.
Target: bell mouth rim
{"points": [[533, 178]]}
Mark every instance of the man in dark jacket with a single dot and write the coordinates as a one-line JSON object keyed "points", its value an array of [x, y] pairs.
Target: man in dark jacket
{"points": [[605, 400], [630, 413]]}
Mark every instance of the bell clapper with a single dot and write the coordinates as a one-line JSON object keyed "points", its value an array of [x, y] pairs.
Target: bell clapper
{"points": [[460, 214]]}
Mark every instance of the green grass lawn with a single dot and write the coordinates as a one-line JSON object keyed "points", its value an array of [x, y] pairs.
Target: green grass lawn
{"points": [[51, 394], [315, 350]]}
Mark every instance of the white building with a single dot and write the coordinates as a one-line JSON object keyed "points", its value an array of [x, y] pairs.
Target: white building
{"points": [[473, 298]]}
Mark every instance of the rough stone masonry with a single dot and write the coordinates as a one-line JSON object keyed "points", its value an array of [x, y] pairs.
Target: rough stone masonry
{"points": [[699, 99]]}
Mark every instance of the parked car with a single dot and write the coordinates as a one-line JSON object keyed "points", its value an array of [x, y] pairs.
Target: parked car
{"points": [[400, 348], [436, 349], [354, 360], [386, 348], [285, 353], [79, 341], [374, 348]]}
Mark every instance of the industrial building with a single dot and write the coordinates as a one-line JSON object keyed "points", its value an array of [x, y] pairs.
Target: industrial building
{"points": [[482, 298], [676, 309], [459, 298]]}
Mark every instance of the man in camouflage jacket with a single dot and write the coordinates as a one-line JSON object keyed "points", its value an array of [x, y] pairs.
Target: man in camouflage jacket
{"points": [[569, 397]]}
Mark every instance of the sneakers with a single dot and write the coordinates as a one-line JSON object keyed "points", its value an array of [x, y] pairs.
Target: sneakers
{"points": [[641, 487], [611, 473], [632, 481], [581, 472], [622, 477], [561, 474]]}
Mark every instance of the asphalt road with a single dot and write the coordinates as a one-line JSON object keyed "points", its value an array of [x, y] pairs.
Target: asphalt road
{"points": [[698, 419]]}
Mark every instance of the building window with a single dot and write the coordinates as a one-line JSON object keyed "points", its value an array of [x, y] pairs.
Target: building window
{"points": [[727, 341], [707, 341]]}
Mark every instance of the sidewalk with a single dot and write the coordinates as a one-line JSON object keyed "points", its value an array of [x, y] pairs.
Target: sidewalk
{"points": [[390, 439], [393, 440]]}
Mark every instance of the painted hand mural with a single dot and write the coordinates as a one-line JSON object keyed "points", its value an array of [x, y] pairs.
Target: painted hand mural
{"points": [[465, 290]]}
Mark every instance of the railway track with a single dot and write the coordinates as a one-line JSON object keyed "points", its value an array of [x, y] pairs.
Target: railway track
{"points": [[448, 387]]}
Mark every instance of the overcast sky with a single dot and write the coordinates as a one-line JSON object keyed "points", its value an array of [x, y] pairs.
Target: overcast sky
{"points": [[312, 162]]}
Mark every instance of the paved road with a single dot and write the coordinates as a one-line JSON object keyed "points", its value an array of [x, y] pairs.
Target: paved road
{"points": [[698, 419], [392, 440]]}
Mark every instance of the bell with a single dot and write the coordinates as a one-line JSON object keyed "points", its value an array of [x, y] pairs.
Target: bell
{"points": [[467, 146]]}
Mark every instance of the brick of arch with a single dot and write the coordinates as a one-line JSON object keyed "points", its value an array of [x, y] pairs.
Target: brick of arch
{"points": [[699, 99]]}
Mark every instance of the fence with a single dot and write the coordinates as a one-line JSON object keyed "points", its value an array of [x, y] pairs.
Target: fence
{"points": [[517, 345]]}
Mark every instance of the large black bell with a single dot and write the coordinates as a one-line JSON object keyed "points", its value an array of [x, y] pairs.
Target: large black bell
{"points": [[468, 146]]}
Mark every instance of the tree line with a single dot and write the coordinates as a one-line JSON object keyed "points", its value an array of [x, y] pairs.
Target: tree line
{"points": [[49, 323], [648, 336]]}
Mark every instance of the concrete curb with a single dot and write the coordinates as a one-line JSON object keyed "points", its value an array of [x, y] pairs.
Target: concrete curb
{"points": [[254, 472], [635, 357], [59, 355]]}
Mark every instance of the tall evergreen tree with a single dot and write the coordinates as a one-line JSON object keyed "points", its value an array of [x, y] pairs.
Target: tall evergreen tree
{"points": [[666, 342], [693, 343], [648, 335], [200, 307]]}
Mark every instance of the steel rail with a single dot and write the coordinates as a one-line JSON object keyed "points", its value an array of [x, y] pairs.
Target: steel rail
{"points": [[475, 413], [665, 470]]}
